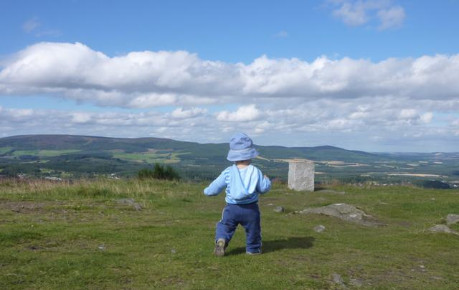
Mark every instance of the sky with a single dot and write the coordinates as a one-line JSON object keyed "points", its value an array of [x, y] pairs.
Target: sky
{"points": [[371, 75]]}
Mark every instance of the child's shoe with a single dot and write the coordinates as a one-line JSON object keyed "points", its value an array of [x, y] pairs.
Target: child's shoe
{"points": [[220, 247], [253, 253]]}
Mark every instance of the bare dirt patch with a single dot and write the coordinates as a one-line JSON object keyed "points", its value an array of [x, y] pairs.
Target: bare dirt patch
{"points": [[23, 206]]}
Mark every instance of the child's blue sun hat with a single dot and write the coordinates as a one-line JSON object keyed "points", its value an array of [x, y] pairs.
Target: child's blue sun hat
{"points": [[241, 148]]}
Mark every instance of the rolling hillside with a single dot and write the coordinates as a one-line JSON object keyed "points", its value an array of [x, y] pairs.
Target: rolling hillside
{"points": [[37, 145], [69, 156]]}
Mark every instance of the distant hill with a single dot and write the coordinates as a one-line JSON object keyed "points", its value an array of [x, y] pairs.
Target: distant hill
{"points": [[87, 156], [131, 145]]}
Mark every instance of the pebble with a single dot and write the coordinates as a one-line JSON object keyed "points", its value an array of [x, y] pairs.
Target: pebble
{"points": [[452, 219], [337, 279], [279, 209], [319, 228]]}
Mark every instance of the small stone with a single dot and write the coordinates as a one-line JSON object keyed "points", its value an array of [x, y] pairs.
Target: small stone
{"points": [[319, 228], [452, 219], [279, 209], [128, 201], [337, 279], [442, 229], [131, 202], [356, 282]]}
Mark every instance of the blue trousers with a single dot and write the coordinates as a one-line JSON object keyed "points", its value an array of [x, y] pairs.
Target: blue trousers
{"points": [[247, 215]]}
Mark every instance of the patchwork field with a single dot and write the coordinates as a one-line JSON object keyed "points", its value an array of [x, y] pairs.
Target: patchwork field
{"points": [[150, 156]]}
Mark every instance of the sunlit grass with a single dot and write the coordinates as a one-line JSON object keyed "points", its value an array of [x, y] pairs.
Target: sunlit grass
{"points": [[83, 234]]}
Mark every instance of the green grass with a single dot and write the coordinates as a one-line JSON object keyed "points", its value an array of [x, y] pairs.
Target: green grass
{"points": [[79, 236]]}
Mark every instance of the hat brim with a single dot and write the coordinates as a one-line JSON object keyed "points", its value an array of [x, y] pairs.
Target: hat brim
{"points": [[240, 155]]}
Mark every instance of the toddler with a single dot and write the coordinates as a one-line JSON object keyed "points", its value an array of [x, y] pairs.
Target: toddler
{"points": [[243, 182]]}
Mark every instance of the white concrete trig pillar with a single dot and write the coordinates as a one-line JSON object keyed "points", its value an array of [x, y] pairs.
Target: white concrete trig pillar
{"points": [[301, 174]]}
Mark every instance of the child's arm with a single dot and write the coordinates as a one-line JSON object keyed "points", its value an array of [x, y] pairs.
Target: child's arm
{"points": [[264, 185], [217, 185]]}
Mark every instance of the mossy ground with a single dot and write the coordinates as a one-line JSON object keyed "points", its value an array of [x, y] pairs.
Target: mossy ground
{"points": [[62, 235]]}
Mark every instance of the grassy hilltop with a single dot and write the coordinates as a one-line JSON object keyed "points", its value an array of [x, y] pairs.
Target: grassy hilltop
{"points": [[131, 234]]}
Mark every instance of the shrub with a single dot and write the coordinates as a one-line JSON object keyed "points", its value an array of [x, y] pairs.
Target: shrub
{"points": [[159, 172], [436, 184]]}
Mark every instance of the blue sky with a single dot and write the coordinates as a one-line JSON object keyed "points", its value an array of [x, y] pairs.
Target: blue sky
{"points": [[373, 75]]}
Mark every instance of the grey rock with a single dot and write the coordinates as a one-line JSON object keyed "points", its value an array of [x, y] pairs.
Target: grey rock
{"points": [[130, 202], [279, 209], [344, 212], [442, 229], [356, 282], [452, 219], [319, 228], [137, 206], [337, 279]]}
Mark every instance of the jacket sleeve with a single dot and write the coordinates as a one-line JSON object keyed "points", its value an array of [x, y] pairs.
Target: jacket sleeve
{"points": [[264, 184], [217, 185]]}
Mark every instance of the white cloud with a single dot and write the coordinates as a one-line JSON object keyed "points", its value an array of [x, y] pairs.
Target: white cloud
{"points": [[352, 13], [138, 79], [152, 79], [360, 12], [81, 117], [242, 114], [426, 117], [307, 124], [31, 25], [408, 114], [152, 100], [392, 17], [181, 113], [355, 101], [412, 115], [35, 27]]}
